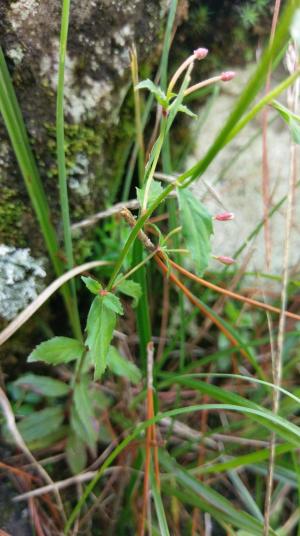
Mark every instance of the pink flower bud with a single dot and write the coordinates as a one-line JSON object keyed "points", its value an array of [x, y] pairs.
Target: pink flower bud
{"points": [[200, 53], [103, 292], [224, 216], [225, 260], [227, 76]]}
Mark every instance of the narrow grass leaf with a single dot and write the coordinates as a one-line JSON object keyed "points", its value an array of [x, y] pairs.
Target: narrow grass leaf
{"points": [[218, 504], [159, 507]]}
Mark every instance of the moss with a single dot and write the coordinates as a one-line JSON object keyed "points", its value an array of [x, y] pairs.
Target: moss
{"points": [[79, 139], [11, 214]]}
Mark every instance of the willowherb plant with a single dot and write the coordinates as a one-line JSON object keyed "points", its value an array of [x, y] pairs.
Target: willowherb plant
{"points": [[97, 353]]}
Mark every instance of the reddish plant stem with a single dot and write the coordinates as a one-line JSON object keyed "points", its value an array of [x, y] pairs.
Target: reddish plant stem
{"points": [[197, 304], [231, 294]]}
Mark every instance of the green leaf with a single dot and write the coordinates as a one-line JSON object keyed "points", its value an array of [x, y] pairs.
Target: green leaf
{"points": [[41, 423], [100, 326], [122, 367], [295, 130], [113, 302], [42, 385], [291, 119], [92, 284], [207, 499], [57, 350], [156, 90], [84, 408], [197, 228], [184, 109], [159, 507], [130, 288], [155, 190], [76, 454], [49, 439]]}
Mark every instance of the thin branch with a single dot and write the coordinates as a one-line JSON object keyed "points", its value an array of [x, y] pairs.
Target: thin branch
{"points": [[61, 484]]}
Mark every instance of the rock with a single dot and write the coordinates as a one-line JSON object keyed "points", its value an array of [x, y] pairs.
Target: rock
{"points": [[97, 78], [236, 177]]}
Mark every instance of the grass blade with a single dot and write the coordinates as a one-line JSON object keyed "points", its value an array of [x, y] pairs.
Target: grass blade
{"points": [[16, 129], [60, 145]]}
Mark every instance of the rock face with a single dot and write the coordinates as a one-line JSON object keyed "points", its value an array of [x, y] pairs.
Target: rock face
{"points": [[235, 175], [97, 77]]}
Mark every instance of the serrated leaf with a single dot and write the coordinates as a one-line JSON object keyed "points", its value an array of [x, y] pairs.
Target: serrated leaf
{"points": [[122, 367], [113, 302], [155, 190], [184, 109], [57, 350], [84, 408], [92, 285], [76, 454], [42, 385], [100, 326], [132, 289], [197, 228], [40, 423], [156, 90]]}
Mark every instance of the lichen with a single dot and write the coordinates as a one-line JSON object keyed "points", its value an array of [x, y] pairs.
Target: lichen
{"points": [[20, 279], [22, 10], [81, 99], [16, 54]]}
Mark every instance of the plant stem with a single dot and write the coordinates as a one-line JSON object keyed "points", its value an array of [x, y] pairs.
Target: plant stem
{"points": [[197, 170]]}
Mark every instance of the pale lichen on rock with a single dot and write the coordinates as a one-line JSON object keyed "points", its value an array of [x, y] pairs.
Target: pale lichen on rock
{"points": [[20, 279]]}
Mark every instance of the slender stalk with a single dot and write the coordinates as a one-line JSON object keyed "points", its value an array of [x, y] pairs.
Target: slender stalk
{"points": [[150, 438], [134, 269], [199, 168], [293, 99], [265, 160], [62, 175], [234, 295], [139, 270]]}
